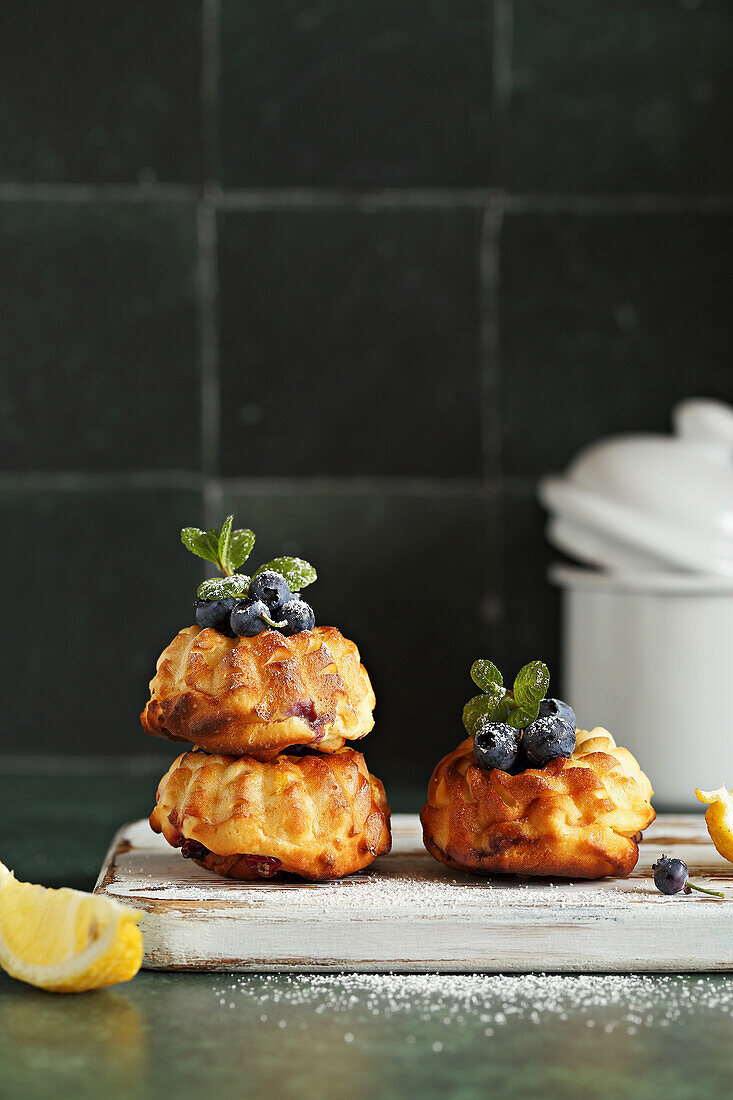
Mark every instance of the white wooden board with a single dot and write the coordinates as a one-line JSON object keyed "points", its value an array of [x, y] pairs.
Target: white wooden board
{"points": [[409, 913]]}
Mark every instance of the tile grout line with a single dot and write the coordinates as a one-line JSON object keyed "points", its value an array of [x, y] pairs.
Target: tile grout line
{"points": [[208, 292], [214, 488], [208, 284], [489, 380], [492, 222], [503, 42], [48, 764], [210, 75], [161, 480], [373, 201]]}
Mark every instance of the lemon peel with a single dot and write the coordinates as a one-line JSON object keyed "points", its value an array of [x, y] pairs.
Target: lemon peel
{"points": [[719, 819], [66, 941]]}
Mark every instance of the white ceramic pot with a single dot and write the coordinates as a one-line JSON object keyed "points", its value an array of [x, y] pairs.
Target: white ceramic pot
{"points": [[650, 656], [651, 501]]}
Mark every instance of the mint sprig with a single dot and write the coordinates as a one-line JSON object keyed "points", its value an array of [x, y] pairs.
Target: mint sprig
{"points": [[519, 707], [226, 549]]}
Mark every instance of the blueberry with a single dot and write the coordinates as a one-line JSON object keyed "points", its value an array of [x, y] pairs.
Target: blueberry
{"points": [[246, 617], [556, 708], [270, 587], [547, 738], [495, 745], [298, 615], [670, 875], [215, 614]]}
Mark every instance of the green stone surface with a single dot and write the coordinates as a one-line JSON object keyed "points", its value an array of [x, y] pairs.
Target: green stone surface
{"points": [[220, 1035]]}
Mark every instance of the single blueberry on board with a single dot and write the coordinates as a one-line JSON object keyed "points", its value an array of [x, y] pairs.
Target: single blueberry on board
{"points": [[670, 874]]}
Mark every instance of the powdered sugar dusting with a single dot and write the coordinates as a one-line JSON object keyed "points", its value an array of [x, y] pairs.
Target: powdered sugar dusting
{"points": [[489, 1002]]}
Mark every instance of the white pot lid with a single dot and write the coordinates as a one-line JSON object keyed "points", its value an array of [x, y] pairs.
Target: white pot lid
{"points": [[653, 582], [651, 501]]}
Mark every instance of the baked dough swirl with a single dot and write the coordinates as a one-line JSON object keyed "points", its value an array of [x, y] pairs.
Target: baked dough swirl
{"points": [[316, 816], [258, 696], [573, 818]]}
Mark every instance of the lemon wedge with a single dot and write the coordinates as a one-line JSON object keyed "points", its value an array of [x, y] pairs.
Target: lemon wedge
{"points": [[64, 940], [719, 819]]}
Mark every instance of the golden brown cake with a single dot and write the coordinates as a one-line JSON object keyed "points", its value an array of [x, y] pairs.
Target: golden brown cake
{"points": [[260, 695], [572, 818], [316, 816]]}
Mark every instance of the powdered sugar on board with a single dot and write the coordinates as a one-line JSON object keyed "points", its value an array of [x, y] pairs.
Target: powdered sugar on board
{"points": [[409, 913]]}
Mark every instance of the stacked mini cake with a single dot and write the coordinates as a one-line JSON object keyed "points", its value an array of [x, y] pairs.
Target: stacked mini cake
{"points": [[269, 701]]}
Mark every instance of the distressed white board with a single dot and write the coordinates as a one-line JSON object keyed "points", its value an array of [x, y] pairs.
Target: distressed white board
{"points": [[409, 913]]}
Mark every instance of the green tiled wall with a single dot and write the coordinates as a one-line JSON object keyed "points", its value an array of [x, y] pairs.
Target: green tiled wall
{"points": [[359, 272]]}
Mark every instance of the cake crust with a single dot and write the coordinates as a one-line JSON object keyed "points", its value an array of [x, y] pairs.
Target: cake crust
{"points": [[573, 818], [319, 817], [259, 696]]}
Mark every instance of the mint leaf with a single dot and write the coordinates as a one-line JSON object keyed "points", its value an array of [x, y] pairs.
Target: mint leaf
{"points": [[199, 543], [223, 544], [486, 675], [484, 708], [475, 712], [297, 573], [217, 588], [240, 546], [531, 685], [212, 537], [519, 719]]}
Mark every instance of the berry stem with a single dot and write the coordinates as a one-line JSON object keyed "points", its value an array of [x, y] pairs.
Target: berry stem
{"points": [[272, 623], [702, 890]]}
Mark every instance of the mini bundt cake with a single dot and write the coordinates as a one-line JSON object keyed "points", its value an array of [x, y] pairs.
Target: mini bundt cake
{"points": [[316, 816], [576, 817], [260, 695]]}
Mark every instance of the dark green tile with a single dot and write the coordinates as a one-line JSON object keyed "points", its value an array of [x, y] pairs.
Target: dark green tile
{"points": [[349, 343], [530, 605], [606, 322], [102, 584], [630, 96], [409, 576], [100, 92], [354, 94], [98, 346]]}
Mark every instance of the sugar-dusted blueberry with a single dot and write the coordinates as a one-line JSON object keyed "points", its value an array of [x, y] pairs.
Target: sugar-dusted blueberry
{"points": [[246, 618], [495, 745], [271, 587], [298, 615], [215, 614], [547, 738], [555, 708]]}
